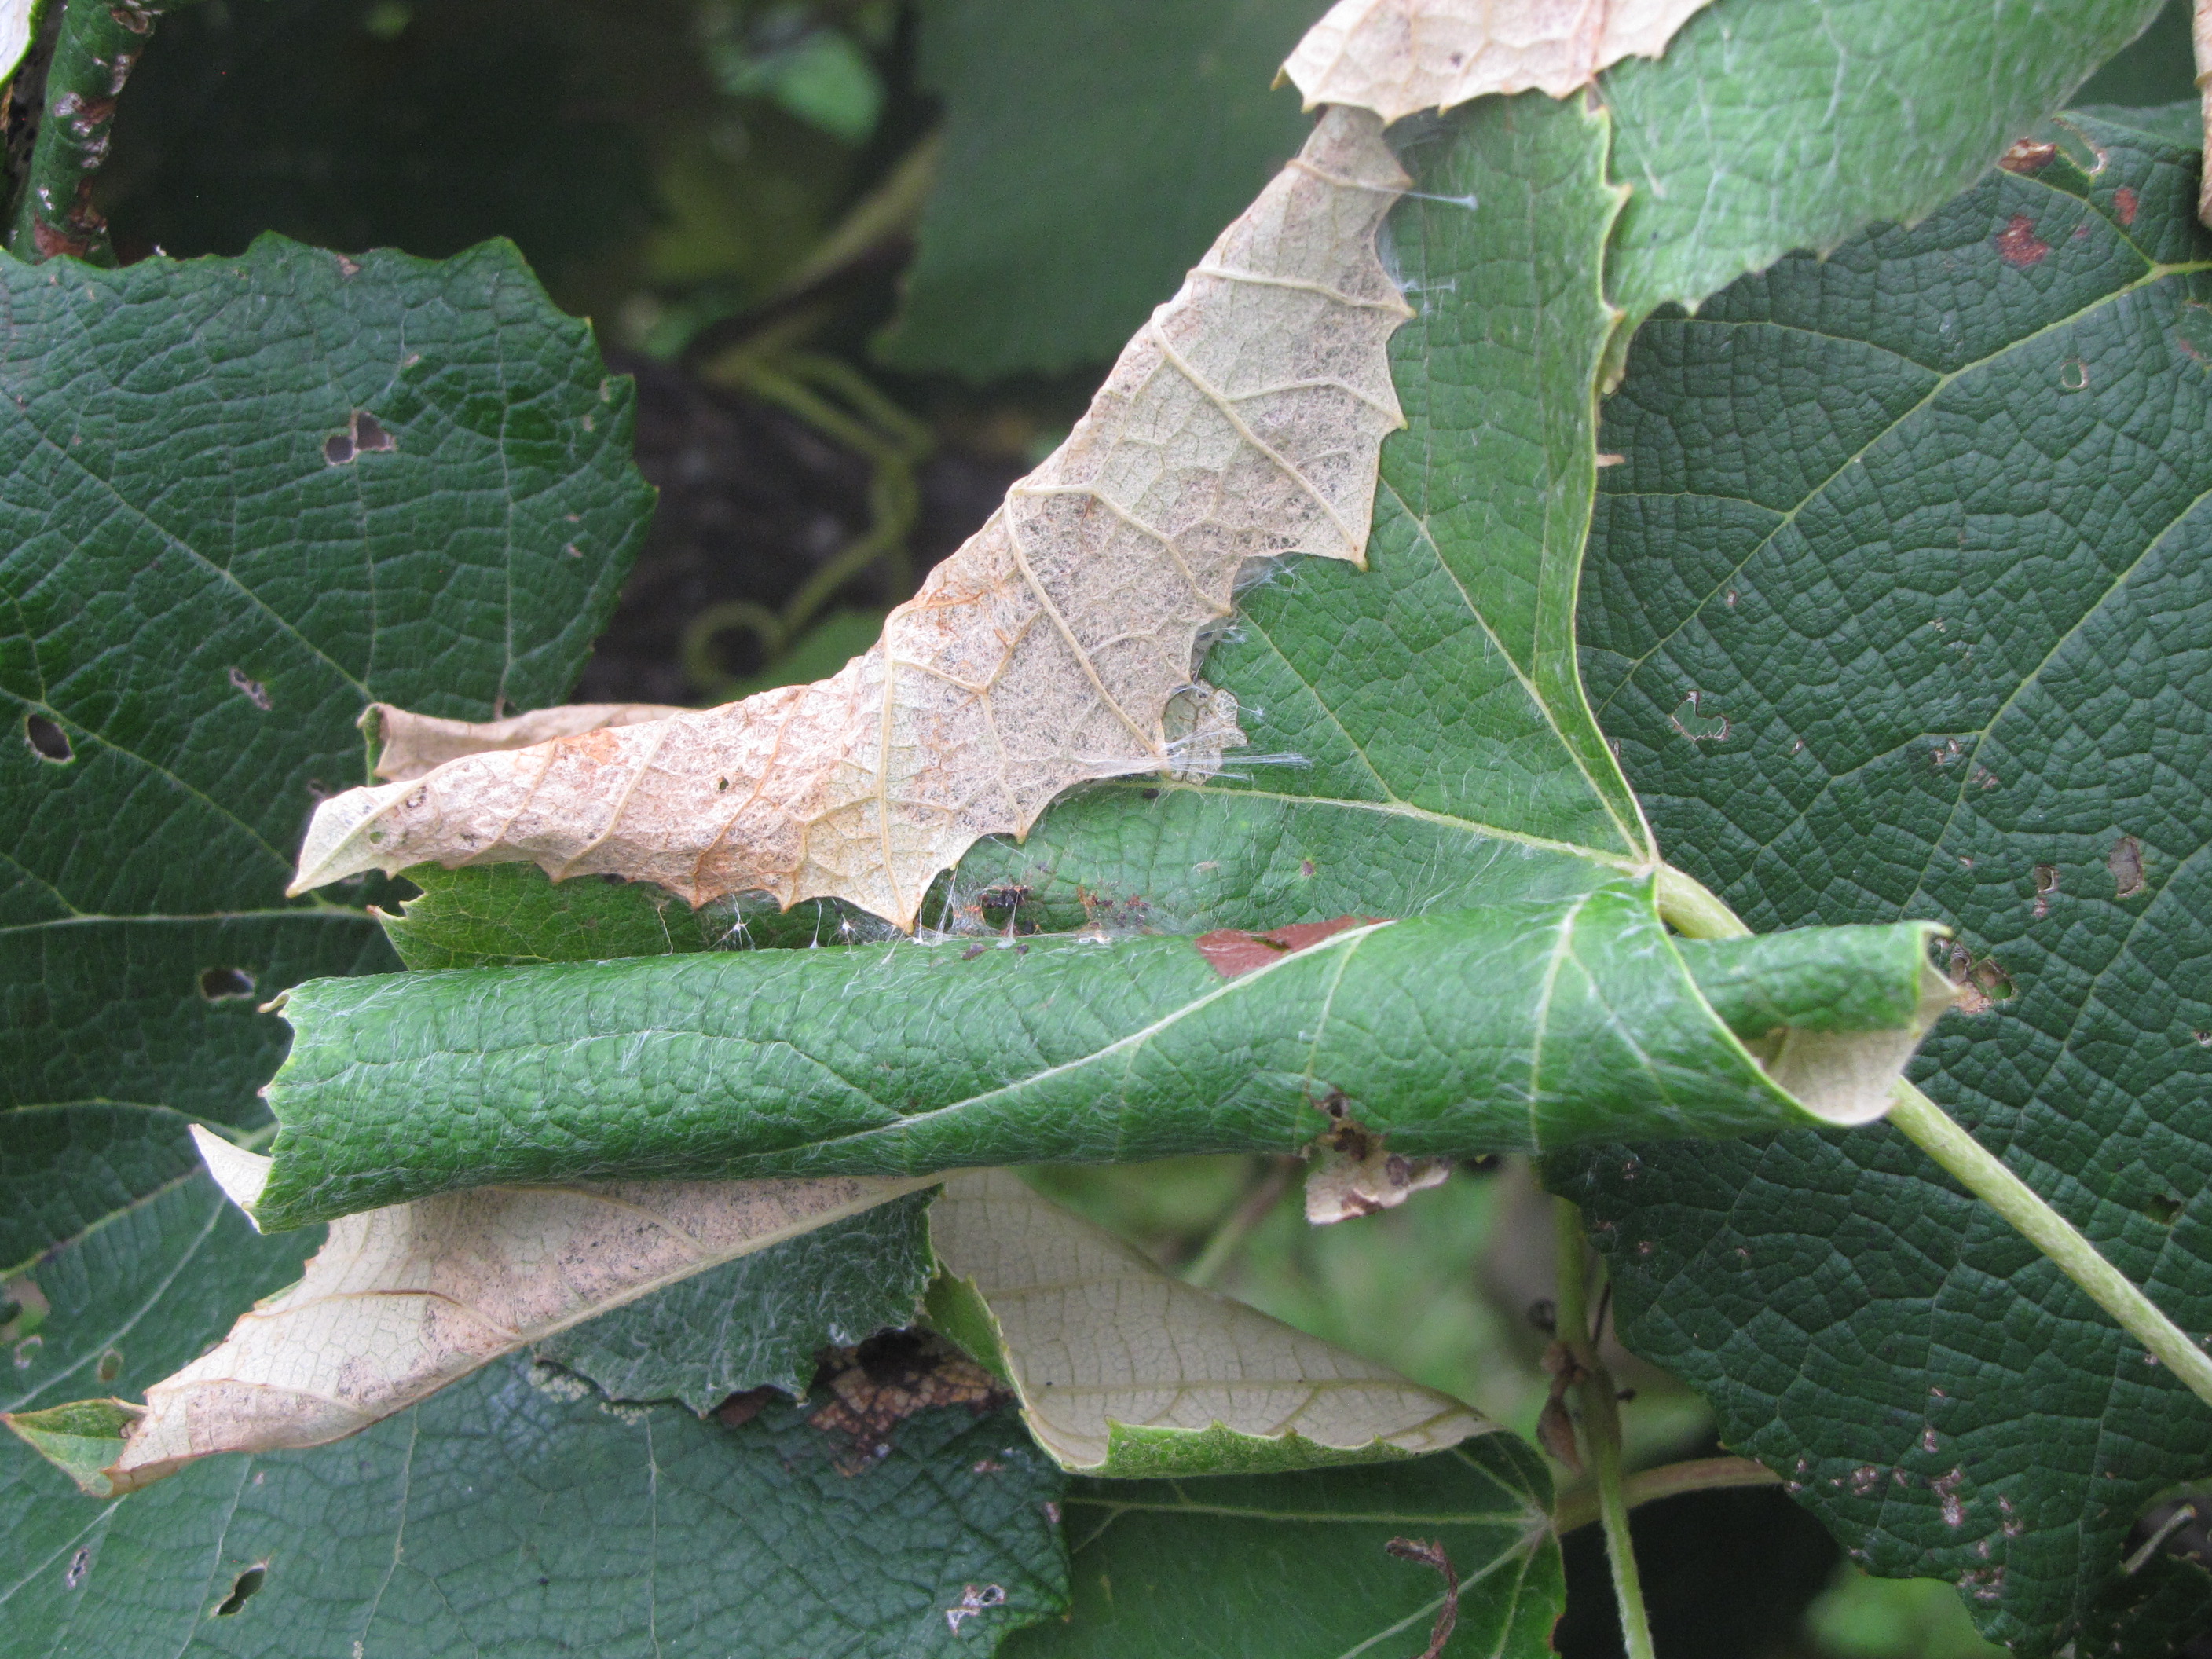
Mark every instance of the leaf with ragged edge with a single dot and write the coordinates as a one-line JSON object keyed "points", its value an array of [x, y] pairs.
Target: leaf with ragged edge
{"points": [[760, 1321], [1299, 1565], [1057, 646], [1398, 56], [1775, 124], [522, 1517], [400, 1302], [1091, 155], [1122, 1370], [1926, 525], [197, 596]]}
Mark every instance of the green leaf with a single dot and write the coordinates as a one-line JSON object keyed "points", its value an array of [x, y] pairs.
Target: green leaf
{"points": [[197, 595], [760, 1321], [1927, 523], [1295, 1565], [1554, 1022], [81, 1438], [1775, 124], [454, 1530], [1091, 154]]}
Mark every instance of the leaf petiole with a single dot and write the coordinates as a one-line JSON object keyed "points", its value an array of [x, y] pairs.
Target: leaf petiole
{"points": [[1601, 1432], [1694, 911]]}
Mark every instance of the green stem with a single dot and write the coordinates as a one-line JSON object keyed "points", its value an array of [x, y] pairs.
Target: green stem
{"points": [[98, 44], [1601, 1434], [1579, 1508], [1691, 910]]}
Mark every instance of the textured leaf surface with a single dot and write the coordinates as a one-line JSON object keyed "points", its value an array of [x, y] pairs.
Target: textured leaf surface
{"points": [[1544, 1023], [1091, 154], [1295, 1565], [195, 599], [1775, 124], [760, 1321], [1057, 646], [502, 1517], [1395, 56], [1122, 1370], [1925, 526]]}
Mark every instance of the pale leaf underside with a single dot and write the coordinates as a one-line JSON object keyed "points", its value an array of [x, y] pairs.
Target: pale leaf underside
{"points": [[1395, 56], [1243, 421], [401, 1301], [1100, 1342]]}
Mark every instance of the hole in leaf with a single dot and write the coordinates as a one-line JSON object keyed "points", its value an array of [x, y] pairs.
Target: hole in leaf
{"points": [[369, 435], [2127, 867], [2046, 883], [2164, 1210], [80, 1564], [256, 693], [1692, 720], [110, 1366], [338, 448], [48, 741], [225, 984], [241, 1591]]}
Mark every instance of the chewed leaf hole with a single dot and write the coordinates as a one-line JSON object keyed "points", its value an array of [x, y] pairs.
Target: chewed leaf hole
{"points": [[2165, 1209], [241, 1591], [1694, 722], [225, 984], [364, 435], [48, 741]]}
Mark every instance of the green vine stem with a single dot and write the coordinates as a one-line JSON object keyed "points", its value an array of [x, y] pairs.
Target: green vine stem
{"points": [[98, 44], [1692, 910], [1601, 1406], [813, 386], [1580, 1508]]}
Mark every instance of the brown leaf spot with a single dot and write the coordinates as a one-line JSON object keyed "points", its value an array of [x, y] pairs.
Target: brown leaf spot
{"points": [[2124, 203], [2018, 244], [887, 1379], [972, 1601], [740, 1409], [1232, 951], [2127, 867], [2027, 155]]}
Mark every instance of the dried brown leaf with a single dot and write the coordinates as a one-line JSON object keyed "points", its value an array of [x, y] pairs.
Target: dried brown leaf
{"points": [[400, 1302], [1395, 56], [1096, 1339], [1060, 644], [409, 745]]}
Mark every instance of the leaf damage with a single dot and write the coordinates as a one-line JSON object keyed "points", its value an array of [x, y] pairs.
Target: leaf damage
{"points": [[1398, 56], [1059, 645]]}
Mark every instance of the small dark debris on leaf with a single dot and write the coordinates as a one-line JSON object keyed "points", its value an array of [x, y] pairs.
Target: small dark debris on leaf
{"points": [[875, 1387], [1422, 1553], [256, 693], [2127, 867], [740, 1409], [2018, 244], [225, 984], [242, 1590], [48, 741], [973, 951]]}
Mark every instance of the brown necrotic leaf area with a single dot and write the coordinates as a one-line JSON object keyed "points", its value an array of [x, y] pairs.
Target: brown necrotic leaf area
{"points": [[1232, 953], [1059, 645], [1397, 56]]}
